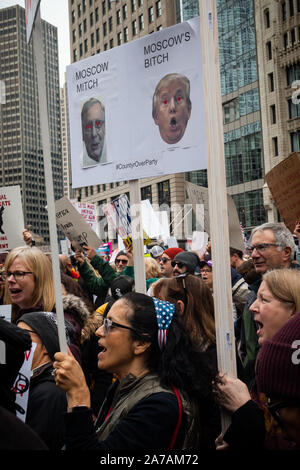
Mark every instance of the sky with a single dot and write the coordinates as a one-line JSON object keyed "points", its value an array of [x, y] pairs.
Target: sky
{"points": [[56, 13]]}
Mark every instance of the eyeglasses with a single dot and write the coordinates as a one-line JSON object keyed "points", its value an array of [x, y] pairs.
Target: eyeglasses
{"points": [[205, 271], [109, 324], [274, 408], [98, 124], [121, 261], [17, 275], [164, 260], [178, 263], [261, 248]]}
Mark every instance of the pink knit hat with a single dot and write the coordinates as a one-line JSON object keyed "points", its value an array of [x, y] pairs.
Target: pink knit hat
{"points": [[172, 252], [278, 363]]}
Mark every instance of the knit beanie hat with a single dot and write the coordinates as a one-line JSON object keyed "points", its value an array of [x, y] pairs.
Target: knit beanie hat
{"points": [[44, 324], [189, 259], [278, 362], [172, 252]]}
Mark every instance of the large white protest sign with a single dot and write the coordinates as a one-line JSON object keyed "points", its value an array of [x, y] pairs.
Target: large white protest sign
{"points": [[22, 383], [120, 124], [11, 218], [74, 225]]}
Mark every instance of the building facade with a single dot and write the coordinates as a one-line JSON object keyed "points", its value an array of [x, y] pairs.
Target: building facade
{"points": [[21, 156], [278, 49]]}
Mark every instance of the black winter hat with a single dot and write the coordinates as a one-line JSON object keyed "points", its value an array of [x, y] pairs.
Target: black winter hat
{"points": [[189, 259], [44, 324], [120, 286], [13, 343]]}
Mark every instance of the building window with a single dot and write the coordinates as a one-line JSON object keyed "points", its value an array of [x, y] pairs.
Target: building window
{"points": [[125, 34], [275, 146], [295, 141], [141, 22], [164, 193], [271, 81], [293, 73], [140, 3], [283, 11], [92, 19], [293, 36], [134, 28], [269, 50], [119, 39], [103, 8], [294, 110], [80, 50], [110, 23], [74, 55], [80, 30], [118, 16], [124, 12], [79, 10], [84, 25], [74, 35], [150, 15], [97, 14], [111, 43], [133, 5], [92, 40], [85, 45], [158, 8], [285, 40], [291, 2], [146, 193], [97, 35], [273, 113], [104, 28], [73, 16]]}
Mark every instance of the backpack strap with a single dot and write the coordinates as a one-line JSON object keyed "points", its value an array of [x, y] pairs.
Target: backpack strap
{"points": [[174, 437]]}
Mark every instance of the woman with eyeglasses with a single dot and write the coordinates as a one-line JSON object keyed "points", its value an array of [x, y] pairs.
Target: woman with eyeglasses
{"points": [[278, 301], [152, 405], [29, 287]]}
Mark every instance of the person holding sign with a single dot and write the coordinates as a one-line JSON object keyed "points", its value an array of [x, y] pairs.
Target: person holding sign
{"points": [[93, 132], [152, 405], [171, 106]]}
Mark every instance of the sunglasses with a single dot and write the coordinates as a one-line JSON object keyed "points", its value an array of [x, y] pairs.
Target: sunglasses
{"points": [[177, 263], [164, 260], [121, 261]]}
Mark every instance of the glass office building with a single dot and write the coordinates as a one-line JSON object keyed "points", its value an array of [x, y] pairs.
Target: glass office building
{"points": [[241, 107], [21, 155]]}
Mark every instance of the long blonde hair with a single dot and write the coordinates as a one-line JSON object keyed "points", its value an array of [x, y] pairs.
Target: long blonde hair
{"points": [[284, 284], [152, 268], [40, 265]]}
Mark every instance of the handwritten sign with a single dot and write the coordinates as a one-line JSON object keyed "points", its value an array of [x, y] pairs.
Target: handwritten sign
{"points": [[73, 225], [284, 184], [89, 213]]}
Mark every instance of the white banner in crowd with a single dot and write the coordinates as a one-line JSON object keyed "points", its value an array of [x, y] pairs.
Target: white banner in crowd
{"points": [[89, 213], [11, 218], [73, 225], [122, 105]]}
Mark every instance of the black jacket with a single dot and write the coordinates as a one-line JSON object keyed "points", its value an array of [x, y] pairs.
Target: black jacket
{"points": [[46, 405]]}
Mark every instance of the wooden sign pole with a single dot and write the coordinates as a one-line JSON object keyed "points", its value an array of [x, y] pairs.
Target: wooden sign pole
{"points": [[43, 109], [137, 236], [219, 232]]}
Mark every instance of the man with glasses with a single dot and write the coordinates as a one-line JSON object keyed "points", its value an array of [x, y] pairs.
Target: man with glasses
{"points": [[271, 247], [121, 261], [166, 259], [93, 133]]}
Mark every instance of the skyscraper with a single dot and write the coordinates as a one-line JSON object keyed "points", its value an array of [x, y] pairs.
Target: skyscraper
{"points": [[21, 156]]}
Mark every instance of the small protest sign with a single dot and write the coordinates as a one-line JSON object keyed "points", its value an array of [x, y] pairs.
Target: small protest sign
{"points": [[73, 225], [22, 383]]}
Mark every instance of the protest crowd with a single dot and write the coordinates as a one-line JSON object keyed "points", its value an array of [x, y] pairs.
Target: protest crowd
{"points": [[141, 371]]}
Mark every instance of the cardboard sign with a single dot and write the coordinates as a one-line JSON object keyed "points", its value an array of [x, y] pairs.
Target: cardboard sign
{"points": [[118, 212], [199, 195], [284, 184], [126, 86], [22, 383], [73, 225], [11, 218]]}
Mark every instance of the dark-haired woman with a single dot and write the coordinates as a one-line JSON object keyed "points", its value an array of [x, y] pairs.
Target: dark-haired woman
{"points": [[151, 406]]}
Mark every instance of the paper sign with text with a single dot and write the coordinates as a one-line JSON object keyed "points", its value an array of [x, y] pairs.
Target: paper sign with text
{"points": [[284, 184], [22, 383], [73, 225], [89, 213], [119, 106], [11, 218]]}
